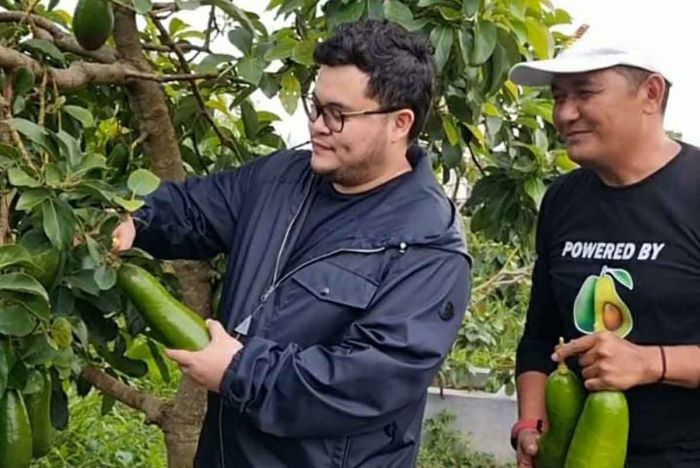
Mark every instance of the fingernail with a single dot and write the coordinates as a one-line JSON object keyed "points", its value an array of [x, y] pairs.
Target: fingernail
{"points": [[555, 357]]}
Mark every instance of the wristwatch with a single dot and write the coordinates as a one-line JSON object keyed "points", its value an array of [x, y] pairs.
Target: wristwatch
{"points": [[527, 423]]}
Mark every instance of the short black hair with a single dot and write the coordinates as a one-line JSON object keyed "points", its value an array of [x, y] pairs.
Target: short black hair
{"points": [[637, 76], [399, 64]]}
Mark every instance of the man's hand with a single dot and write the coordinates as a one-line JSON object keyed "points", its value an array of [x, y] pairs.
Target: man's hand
{"points": [[123, 235], [610, 363], [207, 367], [527, 445]]}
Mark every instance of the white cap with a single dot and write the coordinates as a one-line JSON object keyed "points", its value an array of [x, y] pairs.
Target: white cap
{"points": [[583, 56]]}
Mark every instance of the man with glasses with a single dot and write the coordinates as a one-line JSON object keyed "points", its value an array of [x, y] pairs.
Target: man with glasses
{"points": [[347, 273]]}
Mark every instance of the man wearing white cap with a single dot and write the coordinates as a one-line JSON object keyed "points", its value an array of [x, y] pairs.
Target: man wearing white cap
{"points": [[618, 256]]}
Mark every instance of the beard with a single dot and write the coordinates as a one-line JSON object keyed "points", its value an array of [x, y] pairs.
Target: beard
{"points": [[359, 172]]}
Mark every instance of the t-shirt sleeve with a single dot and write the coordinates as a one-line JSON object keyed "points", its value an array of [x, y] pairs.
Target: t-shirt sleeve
{"points": [[543, 323]]}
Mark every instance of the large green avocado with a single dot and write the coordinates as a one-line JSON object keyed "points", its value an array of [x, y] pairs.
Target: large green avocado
{"points": [[93, 21]]}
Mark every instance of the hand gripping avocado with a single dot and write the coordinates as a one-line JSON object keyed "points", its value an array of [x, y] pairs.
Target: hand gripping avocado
{"points": [[93, 21], [180, 327], [15, 433], [600, 439], [564, 399]]}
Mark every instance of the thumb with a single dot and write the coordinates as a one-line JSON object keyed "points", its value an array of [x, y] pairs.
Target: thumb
{"points": [[216, 330]]}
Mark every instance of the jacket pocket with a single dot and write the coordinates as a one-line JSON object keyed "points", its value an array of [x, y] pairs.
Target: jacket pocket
{"points": [[331, 283]]}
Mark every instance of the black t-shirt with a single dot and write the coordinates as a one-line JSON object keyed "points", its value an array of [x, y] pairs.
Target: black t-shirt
{"points": [[645, 240], [330, 210]]}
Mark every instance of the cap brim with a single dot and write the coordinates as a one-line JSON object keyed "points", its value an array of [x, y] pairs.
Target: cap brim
{"points": [[541, 72]]}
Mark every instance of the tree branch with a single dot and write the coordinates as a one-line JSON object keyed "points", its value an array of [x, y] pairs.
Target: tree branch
{"points": [[5, 203], [169, 78], [151, 406], [165, 36], [183, 46], [61, 38], [81, 74]]}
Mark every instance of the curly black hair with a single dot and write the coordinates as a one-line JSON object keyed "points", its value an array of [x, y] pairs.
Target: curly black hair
{"points": [[399, 64]]}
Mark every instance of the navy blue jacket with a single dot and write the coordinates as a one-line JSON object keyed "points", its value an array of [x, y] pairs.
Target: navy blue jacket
{"points": [[341, 345]]}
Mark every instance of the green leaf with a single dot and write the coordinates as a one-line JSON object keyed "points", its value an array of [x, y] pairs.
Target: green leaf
{"points": [[105, 278], [251, 70], [303, 52], [9, 151], [24, 81], [535, 188], [84, 281], [622, 277], [54, 177], [23, 283], [470, 7], [234, 12], [398, 12], [107, 404], [538, 37], [129, 205], [58, 223], [142, 7], [92, 161], [15, 320], [36, 306], [441, 38], [158, 359], [34, 132], [451, 155], [19, 178], [242, 39], [250, 119], [338, 13], [44, 48], [210, 63], [14, 254], [142, 182], [98, 189], [70, 147], [59, 405], [4, 365], [19, 105], [485, 34], [449, 14], [81, 114], [282, 49], [450, 130], [290, 92]]}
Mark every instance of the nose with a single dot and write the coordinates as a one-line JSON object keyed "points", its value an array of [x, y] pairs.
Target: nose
{"points": [[318, 126], [565, 112]]}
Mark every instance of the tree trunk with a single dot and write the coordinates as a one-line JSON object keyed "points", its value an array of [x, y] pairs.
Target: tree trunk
{"points": [[183, 416]]}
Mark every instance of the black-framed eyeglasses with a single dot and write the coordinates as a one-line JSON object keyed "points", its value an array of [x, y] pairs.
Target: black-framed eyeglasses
{"points": [[333, 117]]}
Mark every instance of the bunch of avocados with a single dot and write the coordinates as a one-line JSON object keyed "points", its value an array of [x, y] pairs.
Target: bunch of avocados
{"points": [[25, 425], [587, 430], [93, 22]]}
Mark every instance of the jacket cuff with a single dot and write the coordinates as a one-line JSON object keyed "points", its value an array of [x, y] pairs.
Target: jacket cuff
{"points": [[237, 386]]}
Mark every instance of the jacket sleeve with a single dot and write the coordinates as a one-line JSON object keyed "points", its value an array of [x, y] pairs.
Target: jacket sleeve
{"points": [[543, 325], [385, 361], [194, 219]]}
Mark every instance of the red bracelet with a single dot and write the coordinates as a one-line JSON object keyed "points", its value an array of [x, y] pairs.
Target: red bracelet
{"points": [[527, 423]]}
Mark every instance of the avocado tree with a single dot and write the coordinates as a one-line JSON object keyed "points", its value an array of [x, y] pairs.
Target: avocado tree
{"points": [[89, 127]]}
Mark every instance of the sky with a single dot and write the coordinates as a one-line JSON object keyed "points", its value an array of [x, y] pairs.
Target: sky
{"points": [[666, 29]]}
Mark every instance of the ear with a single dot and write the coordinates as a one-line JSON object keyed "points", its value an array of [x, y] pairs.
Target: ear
{"points": [[653, 91], [402, 124]]}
